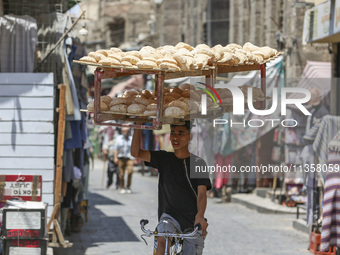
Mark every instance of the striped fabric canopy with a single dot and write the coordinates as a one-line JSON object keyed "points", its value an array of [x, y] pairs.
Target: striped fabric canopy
{"points": [[315, 75]]}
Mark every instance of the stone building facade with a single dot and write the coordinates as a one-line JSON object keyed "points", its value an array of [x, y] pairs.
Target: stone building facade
{"points": [[116, 22], [278, 24]]}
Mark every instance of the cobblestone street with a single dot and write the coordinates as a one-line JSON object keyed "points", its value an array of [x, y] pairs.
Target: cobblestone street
{"points": [[113, 226]]}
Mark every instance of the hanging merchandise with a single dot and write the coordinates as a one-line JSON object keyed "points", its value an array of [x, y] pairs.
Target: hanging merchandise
{"points": [[320, 135], [307, 157], [221, 178], [330, 234], [17, 49]]}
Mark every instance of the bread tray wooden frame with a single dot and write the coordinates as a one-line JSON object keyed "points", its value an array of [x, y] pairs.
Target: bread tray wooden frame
{"points": [[106, 72]]}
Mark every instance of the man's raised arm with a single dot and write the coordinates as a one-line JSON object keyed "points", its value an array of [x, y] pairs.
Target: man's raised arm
{"points": [[136, 151]]}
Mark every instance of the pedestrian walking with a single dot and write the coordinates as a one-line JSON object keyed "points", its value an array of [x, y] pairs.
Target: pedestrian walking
{"points": [[123, 158]]}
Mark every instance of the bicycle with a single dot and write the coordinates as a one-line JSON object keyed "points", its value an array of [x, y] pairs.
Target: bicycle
{"points": [[176, 246]]}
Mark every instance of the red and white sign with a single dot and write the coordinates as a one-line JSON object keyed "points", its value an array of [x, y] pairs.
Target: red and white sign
{"points": [[26, 187]]}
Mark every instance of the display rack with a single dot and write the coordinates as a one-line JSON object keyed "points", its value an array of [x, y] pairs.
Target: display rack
{"points": [[106, 72]]}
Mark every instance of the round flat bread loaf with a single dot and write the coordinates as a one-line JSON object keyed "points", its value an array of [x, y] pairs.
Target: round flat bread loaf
{"points": [[174, 95], [186, 93], [96, 56], [146, 64], [183, 45], [176, 90], [167, 59], [202, 46], [88, 59], [152, 107], [104, 52], [174, 112], [179, 104], [185, 52], [106, 99], [150, 113], [130, 93], [109, 61], [194, 95], [119, 100], [168, 99], [194, 107], [133, 53], [104, 106], [201, 60], [114, 49], [139, 99], [148, 49], [234, 46], [169, 66], [205, 51], [136, 108], [131, 58], [227, 56], [146, 93], [250, 47], [126, 63], [150, 58], [121, 108], [116, 56]]}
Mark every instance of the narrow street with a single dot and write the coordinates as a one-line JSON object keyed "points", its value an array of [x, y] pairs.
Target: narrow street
{"points": [[113, 226]]}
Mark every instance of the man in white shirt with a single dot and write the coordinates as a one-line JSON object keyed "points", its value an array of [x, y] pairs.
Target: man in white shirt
{"points": [[123, 158]]}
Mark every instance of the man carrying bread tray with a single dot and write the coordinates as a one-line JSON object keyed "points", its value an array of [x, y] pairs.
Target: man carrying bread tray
{"points": [[182, 200]]}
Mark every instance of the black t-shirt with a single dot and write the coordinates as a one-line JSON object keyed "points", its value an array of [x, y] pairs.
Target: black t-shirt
{"points": [[176, 195]]}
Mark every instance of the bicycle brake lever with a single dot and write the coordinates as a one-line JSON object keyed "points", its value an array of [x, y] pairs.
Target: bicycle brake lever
{"points": [[144, 239]]}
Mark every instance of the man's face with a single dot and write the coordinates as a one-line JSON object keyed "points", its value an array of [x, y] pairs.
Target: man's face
{"points": [[125, 131], [179, 137]]}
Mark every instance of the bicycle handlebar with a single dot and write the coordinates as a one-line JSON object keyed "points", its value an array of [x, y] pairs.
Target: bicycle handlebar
{"points": [[143, 222]]}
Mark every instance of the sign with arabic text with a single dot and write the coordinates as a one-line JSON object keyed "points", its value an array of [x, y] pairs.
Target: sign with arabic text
{"points": [[26, 187]]}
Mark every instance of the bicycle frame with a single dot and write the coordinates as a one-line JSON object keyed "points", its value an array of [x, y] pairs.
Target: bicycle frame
{"points": [[167, 236]]}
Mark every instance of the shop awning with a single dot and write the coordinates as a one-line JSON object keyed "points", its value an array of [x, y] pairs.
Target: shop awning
{"points": [[315, 75]]}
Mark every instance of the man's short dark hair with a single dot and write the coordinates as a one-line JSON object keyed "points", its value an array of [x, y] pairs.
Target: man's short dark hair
{"points": [[187, 124]]}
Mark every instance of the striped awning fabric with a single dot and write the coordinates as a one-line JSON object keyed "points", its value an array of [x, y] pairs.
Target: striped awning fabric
{"points": [[315, 75]]}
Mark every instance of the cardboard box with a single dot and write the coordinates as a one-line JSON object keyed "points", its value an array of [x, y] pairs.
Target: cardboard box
{"points": [[24, 246], [25, 223]]}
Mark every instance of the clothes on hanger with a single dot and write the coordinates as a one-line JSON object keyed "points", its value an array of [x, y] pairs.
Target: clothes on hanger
{"points": [[18, 41], [330, 234], [321, 134]]}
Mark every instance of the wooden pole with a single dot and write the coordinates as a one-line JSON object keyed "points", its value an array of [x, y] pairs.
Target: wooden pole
{"points": [[60, 147]]}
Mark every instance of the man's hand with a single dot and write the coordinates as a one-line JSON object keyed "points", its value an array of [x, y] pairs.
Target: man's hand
{"points": [[204, 225]]}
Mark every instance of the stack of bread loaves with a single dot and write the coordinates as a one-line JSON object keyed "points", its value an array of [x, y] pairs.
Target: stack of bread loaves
{"points": [[182, 57], [177, 101]]}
